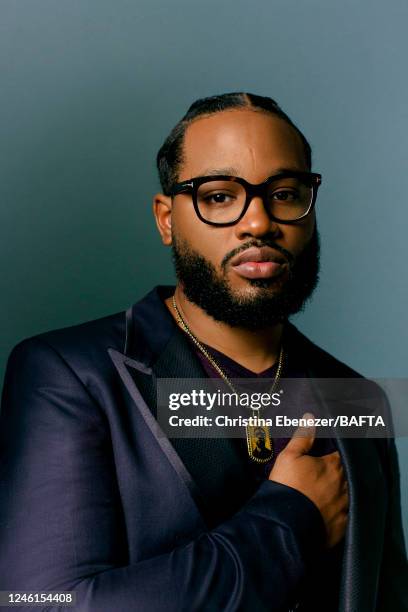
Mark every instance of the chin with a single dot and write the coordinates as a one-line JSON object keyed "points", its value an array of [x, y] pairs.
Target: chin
{"points": [[252, 288], [273, 284]]}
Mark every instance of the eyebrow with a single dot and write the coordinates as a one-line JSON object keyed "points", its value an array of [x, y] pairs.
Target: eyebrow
{"points": [[234, 172], [215, 171]]}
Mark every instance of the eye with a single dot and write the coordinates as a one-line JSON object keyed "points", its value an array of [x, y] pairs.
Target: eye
{"points": [[218, 198], [285, 195]]}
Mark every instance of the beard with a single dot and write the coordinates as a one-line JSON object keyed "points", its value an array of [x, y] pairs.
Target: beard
{"points": [[273, 303]]}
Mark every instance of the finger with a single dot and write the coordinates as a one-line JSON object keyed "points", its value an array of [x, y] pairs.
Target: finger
{"points": [[303, 437], [334, 456]]}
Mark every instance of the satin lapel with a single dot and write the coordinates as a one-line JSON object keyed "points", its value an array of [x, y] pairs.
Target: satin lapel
{"points": [[368, 500], [140, 380]]}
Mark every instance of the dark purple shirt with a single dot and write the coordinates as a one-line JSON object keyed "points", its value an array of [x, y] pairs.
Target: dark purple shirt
{"points": [[299, 403]]}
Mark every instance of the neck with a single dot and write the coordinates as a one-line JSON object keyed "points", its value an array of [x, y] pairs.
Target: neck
{"points": [[255, 350]]}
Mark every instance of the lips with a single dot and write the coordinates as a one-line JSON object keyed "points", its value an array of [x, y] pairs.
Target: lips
{"points": [[257, 255], [263, 262]]}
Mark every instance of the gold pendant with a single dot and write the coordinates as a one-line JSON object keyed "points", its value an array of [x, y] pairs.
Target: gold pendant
{"points": [[260, 444]]}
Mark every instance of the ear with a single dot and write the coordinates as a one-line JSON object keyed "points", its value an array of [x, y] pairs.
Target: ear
{"points": [[162, 207]]}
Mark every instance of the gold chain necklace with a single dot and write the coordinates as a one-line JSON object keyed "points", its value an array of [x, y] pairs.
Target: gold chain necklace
{"points": [[260, 447]]}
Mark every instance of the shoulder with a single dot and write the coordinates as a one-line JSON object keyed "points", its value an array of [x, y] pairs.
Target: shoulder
{"points": [[321, 365], [320, 362], [335, 379], [81, 348]]}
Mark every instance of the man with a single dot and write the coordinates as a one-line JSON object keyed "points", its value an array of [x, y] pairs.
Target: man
{"points": [[261, 451], [96, 500]]}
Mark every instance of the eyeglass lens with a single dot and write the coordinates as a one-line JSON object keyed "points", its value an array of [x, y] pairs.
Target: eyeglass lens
{"points": [[222, 201]]}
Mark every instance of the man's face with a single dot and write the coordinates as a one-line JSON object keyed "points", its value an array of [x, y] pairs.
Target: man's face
{"points": [[260, 438], [254, 146]]}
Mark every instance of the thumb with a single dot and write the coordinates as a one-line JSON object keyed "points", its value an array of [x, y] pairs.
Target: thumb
{"points": [[302, 440]]}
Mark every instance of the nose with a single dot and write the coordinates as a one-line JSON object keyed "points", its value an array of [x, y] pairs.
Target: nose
{"points": [[256, 222]]}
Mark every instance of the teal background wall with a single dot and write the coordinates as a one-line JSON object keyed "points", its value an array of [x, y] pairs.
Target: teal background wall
{"points": [[90, 88]]}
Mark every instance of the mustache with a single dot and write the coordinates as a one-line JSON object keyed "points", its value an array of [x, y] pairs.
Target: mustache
{"points": [[258, 244]]}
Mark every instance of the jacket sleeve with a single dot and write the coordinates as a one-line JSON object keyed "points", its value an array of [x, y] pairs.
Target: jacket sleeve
{"points": [[61, 526], [393, 585]]}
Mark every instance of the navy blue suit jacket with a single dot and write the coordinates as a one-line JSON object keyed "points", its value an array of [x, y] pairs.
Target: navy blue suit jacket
{"points": [[95, 500]]}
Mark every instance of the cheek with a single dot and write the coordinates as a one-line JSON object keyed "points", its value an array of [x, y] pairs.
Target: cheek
{"points": [[206, 240], [297, 236], [184, 219]]}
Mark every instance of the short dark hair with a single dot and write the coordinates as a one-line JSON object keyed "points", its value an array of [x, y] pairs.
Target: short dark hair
{"points": [[170, 154]]}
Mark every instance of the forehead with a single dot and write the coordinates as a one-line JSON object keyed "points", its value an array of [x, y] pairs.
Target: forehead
{"points": [[253, 143]]}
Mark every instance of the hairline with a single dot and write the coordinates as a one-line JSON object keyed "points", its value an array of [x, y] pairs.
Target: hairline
{"points": [[186, 123]]}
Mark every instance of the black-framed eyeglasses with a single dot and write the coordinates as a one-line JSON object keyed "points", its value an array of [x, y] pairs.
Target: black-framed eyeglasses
{"points": [[223, 200]]}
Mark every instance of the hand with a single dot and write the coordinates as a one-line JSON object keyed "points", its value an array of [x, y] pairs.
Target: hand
{"points": [[321, 479]]}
